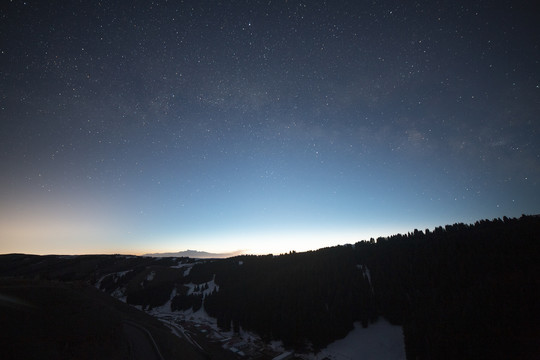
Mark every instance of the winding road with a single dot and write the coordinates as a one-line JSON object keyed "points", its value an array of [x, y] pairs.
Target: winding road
{"points": [[141, 342]]}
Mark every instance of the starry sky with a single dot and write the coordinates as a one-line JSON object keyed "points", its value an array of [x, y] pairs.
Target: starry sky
{"points": [[262, 126]]}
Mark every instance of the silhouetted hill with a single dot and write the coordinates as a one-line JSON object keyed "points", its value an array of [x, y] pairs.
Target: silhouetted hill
{"points": [[48, 319], [459, 291]]}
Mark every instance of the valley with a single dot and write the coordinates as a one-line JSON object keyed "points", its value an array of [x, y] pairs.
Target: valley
{"points": [[459, 291]]}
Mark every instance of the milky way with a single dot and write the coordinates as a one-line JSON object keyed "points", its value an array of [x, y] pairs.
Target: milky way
{"points": [[265, 126]]}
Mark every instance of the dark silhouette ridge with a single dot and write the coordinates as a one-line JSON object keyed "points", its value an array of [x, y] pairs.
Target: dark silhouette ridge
{"points": [[459, 291]]}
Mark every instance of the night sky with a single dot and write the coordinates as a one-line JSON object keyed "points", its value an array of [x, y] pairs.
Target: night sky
{"points": [[262, 126]]}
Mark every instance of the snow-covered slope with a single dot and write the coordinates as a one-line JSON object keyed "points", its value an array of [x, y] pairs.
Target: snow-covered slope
{"points": [[378, 341]]}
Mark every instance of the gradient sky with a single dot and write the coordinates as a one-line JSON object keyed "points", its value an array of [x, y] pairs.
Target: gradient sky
{"points": [[263, 126]]}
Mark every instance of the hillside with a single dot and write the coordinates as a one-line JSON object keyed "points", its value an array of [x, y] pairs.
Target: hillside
{"points": [[48, 319], [460, 291]]}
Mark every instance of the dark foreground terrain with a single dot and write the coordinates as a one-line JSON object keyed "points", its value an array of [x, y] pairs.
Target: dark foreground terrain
{"points": [[48, 319], [459, 292]]}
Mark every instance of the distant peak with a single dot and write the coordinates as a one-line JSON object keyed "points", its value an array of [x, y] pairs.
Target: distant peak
{"points": [[196, 254]]}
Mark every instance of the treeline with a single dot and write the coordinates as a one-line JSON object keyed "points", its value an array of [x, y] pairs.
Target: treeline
{"points": [[298, 298], [460, 291], [183, 301]]}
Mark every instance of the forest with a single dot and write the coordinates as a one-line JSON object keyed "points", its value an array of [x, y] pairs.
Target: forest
{"points": [[461, 291]]}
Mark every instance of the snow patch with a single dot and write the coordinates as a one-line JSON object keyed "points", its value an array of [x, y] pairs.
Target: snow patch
{"points": [[248, 336], [380, 340], [116, 277], [202, 290], [119, 293], [151, 276], [366, 273], [200, 316], [181, 264], [165, 308], [277, 346]]}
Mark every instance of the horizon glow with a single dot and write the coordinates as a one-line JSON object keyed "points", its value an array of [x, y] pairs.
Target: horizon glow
{"points": [[265, 127]]}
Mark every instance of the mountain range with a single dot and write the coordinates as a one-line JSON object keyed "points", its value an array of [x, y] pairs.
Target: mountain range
{"points": [[196, 254]]}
